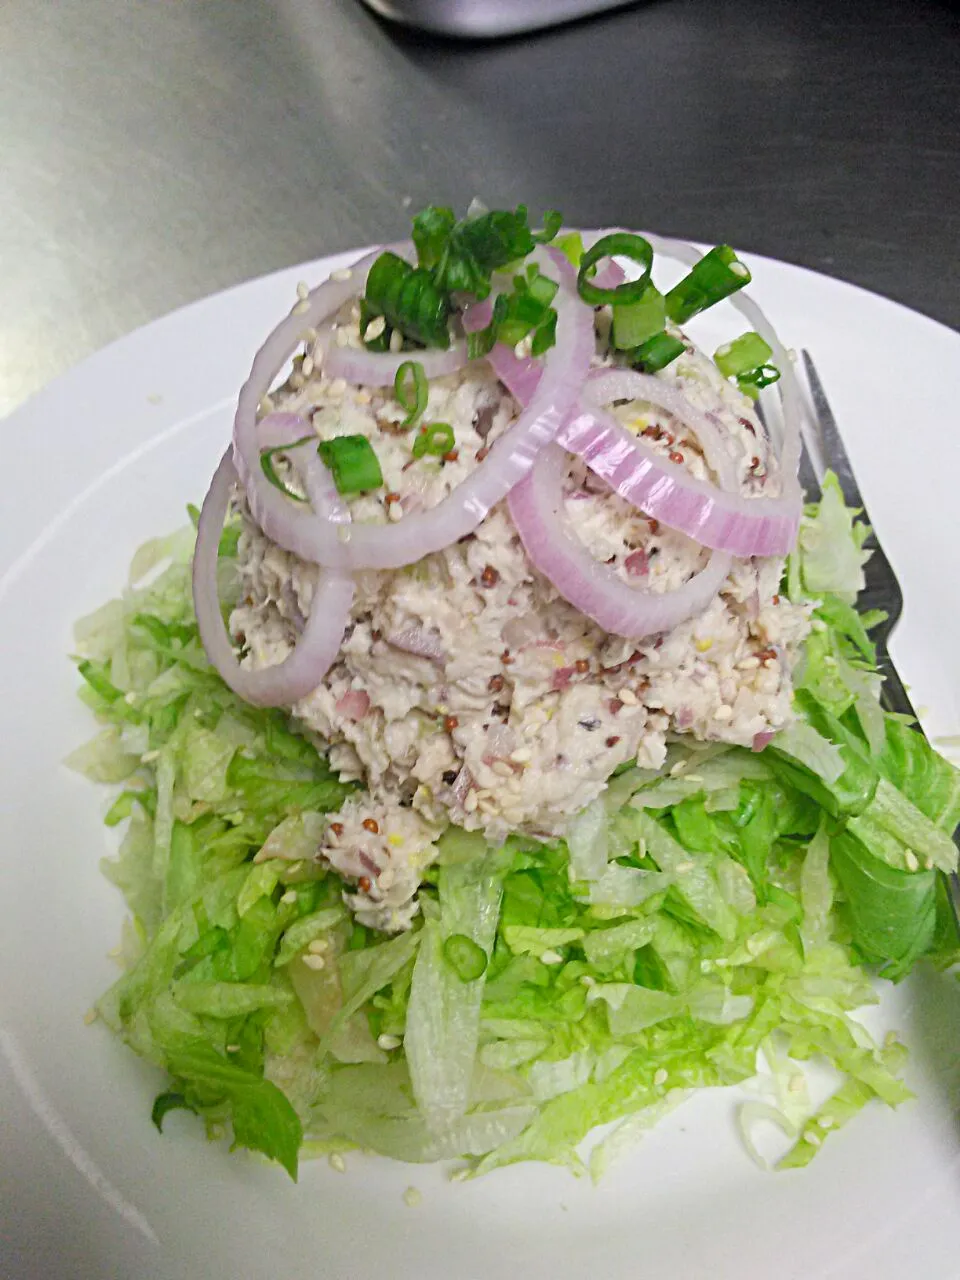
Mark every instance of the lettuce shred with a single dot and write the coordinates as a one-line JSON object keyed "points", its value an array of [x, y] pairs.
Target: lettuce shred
{"points": [[698, 918]]}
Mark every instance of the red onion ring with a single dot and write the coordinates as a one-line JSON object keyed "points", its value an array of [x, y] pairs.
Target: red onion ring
{"points": [[315, 651], [724, 521], [604, 385], [371, 546], [536, 507]]}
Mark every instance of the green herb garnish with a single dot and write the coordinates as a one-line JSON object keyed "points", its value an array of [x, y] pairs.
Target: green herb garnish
{"points": [[635, 322], [409, 300], [718, 274], [657, 352], [410, 390], [354, 465], [270, 471], [620, 244], [436, 439]]}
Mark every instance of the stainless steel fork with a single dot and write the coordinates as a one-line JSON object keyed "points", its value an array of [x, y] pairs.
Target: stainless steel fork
{"points": [[881, 590]]}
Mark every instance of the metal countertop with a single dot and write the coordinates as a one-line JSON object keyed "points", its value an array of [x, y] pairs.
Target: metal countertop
{"points": [[156, 151]]}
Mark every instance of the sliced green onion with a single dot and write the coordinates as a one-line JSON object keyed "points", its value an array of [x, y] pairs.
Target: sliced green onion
{"points": [[540, 287], [619, 244], [752, 383], [744, 354], [410, 389], [270, 471], [718, 274], [657, 352], [483, 341], [437, 439], [545, 334], [571, 246], [465, 957], [552, 222], [635, 322], [409, 300], [352, 462]]}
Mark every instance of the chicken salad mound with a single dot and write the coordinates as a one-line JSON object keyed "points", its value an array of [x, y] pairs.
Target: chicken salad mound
{"points": [[467, 690]]}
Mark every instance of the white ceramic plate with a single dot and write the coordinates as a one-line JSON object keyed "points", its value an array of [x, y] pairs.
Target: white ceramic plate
{"points": [[107, 457]]}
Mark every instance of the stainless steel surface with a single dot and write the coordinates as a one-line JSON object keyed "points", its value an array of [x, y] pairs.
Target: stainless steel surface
{"points": [[155, 151], [882, 590], [487, 18]]}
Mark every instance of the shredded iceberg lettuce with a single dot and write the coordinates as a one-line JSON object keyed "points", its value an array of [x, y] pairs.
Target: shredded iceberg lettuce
{"points": [[694, 919]]}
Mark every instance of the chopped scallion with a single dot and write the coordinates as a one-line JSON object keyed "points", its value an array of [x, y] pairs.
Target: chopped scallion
{"points": [[571, 246], [465, 957], [436, 439], [618, 244], [408, 300], [718, 274], [752, 383], [411, 389], [352, 462], [657, 352], [270, 471], [552, 222], [744, 354], [635, 322]]}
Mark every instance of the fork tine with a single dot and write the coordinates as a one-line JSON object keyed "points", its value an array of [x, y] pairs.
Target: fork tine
{"points": [[834, 451]]}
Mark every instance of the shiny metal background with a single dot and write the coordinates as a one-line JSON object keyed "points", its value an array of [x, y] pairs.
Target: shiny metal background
{"points": [[156, 150]]}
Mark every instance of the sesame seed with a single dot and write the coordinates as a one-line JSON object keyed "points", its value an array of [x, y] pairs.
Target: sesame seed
{"points": [[289, 897], [307, 367], [318, 946], [301, 308], [587, 981], [303, 290], [294, 867], [628, 698], [660, 1077], [337, 1162], [910, 858], [738, 269], [551, 957], [748, 664], [470, 802], [337, 387], [389, 1042], [502, 769], [375, 328], [314, 961], [396, 342], [522, 755], [342, 273], [813, 1138], [395, 511], [723, 713], [682, 867]]}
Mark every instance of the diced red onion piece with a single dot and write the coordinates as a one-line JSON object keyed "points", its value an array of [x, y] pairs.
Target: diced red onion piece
{"points": [[379, 368], [762, 739], [353, 705], [537, 512], [372, 546], [300, 673]]}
